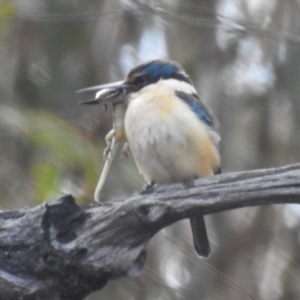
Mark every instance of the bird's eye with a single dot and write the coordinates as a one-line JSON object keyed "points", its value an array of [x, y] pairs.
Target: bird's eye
{"points": [[141, 80]]}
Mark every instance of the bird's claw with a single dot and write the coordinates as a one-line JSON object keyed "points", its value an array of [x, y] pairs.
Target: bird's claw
{"points": [[126, 150], [189, 182], [108, 140], [147, 188]]}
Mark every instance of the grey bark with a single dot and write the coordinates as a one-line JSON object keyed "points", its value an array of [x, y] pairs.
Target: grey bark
{"points": [[59, 250]]}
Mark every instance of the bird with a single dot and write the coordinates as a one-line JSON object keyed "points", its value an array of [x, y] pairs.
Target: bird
{"points": [[171, 133]]}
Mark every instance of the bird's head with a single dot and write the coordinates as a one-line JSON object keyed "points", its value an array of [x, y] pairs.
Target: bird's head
{"points": [[138, 78], [153, 71]]}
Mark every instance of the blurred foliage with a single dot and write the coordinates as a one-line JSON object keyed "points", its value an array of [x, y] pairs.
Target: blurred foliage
{"points": [[243, 57], [7, 10], [61, 149], [57, 150]]}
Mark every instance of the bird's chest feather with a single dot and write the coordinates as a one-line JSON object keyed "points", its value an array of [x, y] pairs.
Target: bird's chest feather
{"points": [[168, 141]]}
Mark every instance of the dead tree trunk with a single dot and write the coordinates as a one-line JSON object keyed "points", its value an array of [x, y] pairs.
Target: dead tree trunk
{"points": [[59, 250]]}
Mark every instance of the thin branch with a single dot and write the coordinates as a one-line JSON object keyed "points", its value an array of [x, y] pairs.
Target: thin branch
{"points": [[197, 16]]}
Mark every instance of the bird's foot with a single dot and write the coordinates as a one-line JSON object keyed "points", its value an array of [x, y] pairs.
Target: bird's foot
{"points": [[148, 188], [126, 150], [108, 141], [189, 182], [106, 152]]}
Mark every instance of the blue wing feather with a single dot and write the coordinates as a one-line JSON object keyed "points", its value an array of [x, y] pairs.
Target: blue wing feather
{"points": [[198, 107]]}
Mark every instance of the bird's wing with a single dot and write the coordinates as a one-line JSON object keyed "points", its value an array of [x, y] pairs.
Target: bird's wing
{"points": [[199, 108]]}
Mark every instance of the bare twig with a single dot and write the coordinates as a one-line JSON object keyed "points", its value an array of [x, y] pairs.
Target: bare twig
{"points": [[197, 16]]}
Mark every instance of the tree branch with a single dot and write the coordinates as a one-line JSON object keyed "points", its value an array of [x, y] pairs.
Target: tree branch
{"points": [[59, 250]]}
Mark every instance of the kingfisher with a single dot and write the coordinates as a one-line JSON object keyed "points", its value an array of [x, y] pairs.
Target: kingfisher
{"points": [[170, 132]]}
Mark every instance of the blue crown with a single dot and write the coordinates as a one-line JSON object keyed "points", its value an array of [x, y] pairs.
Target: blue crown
{"points": [[154, 70]]}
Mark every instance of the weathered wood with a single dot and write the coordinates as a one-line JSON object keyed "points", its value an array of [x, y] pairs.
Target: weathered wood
{"points": [[59, 250]]}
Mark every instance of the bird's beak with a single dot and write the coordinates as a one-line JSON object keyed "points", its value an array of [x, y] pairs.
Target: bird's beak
{"points": [[107, 93]]}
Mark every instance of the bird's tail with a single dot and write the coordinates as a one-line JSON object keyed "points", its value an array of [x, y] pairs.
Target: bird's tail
{"points": [[201, 242]]}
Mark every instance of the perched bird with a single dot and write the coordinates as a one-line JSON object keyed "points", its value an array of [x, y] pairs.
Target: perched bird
{"points": [[171, 133]]}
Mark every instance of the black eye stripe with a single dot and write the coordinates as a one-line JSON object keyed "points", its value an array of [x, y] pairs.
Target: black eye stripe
{"points": [[142, 79], [179, 77]]}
